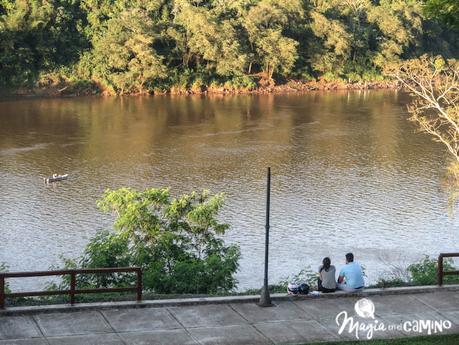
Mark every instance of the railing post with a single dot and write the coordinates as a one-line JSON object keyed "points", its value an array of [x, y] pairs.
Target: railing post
{"points": [[440, 270], [139, 284], [72, 286], [2, 292], [72, 291]]}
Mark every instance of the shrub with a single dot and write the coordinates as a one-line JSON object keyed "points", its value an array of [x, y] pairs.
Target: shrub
{"points": [[174, 240], [244, 83], [197, 86], [424, 272]]}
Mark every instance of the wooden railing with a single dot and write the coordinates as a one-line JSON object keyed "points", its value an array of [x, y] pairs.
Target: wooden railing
{"points": [[441, 273], [73, 283]]}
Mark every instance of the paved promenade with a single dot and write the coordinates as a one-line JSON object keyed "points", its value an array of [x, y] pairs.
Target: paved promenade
{"points": [[291, 321]]}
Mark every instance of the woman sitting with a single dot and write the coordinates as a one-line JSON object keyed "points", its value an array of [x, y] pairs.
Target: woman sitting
{"points": [[327, 280]]}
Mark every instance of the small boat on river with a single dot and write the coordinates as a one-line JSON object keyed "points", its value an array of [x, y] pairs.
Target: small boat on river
{"points": [[56, 178]]}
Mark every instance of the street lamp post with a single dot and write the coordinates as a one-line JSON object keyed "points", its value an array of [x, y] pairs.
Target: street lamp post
{"points": [[265, 298]]}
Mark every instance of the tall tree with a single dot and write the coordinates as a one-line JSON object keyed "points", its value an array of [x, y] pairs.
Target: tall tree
{"points": [[174, 240], [400, 27], [36, 36], [123, 56], [332, 47], [210, 38], [266, 23], [136, 46]]}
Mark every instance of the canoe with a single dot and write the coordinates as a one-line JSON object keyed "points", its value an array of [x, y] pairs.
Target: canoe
{"points": [[56, 178]]}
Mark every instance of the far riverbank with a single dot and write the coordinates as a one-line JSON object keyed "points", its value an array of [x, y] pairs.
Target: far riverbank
{"points": [[56, 89]]}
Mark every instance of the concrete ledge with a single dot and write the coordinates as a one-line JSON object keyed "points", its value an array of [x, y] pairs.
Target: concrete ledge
{"points": [[176, 302]]}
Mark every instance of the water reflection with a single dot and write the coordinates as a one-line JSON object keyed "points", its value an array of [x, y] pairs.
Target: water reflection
{"points": [[349, 173]]}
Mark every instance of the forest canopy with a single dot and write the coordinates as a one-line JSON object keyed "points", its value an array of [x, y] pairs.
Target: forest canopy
{"points": [[153, 46]]}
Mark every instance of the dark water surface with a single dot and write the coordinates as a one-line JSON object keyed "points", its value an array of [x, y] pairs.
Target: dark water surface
{"points": [[349, 174]]}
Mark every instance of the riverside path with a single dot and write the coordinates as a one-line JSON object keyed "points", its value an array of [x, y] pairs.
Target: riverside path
{"points": [[236, 320]]}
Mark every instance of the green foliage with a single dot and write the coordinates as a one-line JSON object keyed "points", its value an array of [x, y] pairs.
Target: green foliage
{"points": [[174, 240], [445, 10], [38, 35], [424, 272], [209, 37], [265, 23], [134, 46], [124, 60]]}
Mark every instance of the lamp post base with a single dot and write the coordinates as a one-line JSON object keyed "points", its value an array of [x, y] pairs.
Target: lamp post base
{"points": [[265, 298]]}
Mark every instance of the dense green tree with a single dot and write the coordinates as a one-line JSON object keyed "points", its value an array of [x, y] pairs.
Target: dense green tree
{"points": [[400, 27], [209, 38], [37, 36], [123, 57], [355, 36], [445, 10], [332, 47], [140, 46], [270, 49], [174, 240]]}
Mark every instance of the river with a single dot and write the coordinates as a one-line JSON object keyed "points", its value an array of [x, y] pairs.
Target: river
{"points": [[349, 174]]}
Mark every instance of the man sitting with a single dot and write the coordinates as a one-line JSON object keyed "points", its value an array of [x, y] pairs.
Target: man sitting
{"points": [[351, 276]]}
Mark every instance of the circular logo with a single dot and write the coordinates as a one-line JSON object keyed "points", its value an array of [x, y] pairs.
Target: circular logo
{"points": [[365, 308]]}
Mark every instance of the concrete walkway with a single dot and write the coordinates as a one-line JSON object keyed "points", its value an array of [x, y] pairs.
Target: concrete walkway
{"points": [[291, 321]]}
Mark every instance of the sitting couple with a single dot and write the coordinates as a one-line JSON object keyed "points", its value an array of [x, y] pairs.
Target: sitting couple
{"points": [[350, 278]]}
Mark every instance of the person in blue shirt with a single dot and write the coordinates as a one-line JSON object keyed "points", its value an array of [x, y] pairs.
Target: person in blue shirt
{"points": [[351, 276]]}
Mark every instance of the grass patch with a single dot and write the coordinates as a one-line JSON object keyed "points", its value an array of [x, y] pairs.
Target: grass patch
{"points": [[450, 339]]}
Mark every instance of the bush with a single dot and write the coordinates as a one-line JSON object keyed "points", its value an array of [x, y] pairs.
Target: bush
{"points": [[372, 76], [197, 86], [353, 77], [244, 83], [425, 271], [174, 240]]}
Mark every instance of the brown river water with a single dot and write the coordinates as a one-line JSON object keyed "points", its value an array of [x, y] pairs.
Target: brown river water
{"points": [[349, 174]]}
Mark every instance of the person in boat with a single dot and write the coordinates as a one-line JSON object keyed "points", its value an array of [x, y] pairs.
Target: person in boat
{"points": [[54, 175], [327, 280], [351, 275]]}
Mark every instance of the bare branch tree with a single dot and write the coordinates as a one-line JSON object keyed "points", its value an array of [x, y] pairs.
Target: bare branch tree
{"points": [[434, 85]]}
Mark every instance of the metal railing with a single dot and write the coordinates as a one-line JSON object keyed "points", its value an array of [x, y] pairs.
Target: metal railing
{"points": [[73, 283], [441, 273]]}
